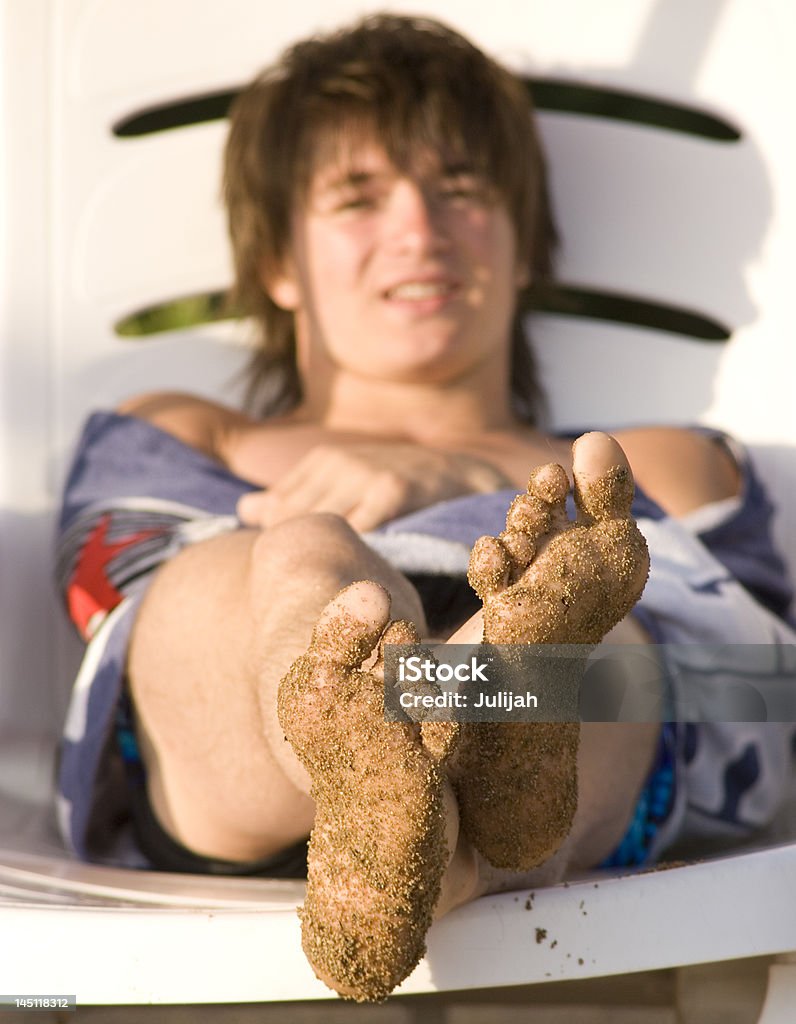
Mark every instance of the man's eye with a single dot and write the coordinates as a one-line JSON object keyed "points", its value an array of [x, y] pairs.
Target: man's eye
{"points": [[356, 202], [466, 189]]}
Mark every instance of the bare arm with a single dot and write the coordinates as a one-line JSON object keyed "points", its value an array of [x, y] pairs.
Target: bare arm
{"points": [[679, 469], [195, 421]]}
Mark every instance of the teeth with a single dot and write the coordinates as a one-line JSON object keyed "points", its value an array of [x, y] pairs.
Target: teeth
{"points": [[419, 290]]}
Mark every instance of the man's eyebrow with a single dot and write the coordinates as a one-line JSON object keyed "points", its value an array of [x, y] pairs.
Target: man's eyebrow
{"points": [[353, 178], [348, 179], [453, 167]]}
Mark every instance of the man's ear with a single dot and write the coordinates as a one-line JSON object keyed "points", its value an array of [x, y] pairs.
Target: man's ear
{"points": [[282, 287]]}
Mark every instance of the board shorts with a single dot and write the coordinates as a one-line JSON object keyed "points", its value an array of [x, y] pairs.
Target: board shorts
{"points": [[136, 496]]}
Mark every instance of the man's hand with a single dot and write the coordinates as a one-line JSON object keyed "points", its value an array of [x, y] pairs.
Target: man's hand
{"points": [[370, 483]]}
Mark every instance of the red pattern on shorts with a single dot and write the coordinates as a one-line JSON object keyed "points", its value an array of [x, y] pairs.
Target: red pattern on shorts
{"points": [[90, 591]]}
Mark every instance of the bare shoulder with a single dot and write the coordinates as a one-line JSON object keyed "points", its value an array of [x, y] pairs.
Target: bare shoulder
{"points": [[680, 469], [195, 421]]}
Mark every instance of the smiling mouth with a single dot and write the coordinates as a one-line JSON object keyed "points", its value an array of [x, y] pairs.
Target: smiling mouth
{"points": [[419, 291]]}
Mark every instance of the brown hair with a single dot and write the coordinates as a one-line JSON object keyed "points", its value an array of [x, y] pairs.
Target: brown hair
{"points": [[412, 83]]}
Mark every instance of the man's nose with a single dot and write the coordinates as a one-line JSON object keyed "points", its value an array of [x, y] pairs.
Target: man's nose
{"points": [[416, 222]]}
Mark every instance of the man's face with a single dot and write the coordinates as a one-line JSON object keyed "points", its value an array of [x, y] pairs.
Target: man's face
{"points": [[398, 277]]}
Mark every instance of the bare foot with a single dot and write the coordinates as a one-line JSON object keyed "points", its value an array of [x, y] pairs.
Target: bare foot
{"points": [[546, 580], [378, 848]]}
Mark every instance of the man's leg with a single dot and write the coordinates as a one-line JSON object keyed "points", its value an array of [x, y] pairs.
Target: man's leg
{"points": [[543, 581], [219, 627]]}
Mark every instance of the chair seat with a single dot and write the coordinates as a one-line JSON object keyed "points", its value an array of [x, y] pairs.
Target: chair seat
{"points": [[123, 936]]}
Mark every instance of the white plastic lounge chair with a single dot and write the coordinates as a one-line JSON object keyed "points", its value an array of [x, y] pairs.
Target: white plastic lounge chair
{"points": [[97, 225]]}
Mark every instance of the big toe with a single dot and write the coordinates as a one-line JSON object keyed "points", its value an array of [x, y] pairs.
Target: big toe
{"points": [[603, 478], [350, 625]]}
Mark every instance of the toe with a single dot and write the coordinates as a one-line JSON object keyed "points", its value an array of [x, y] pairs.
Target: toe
{"points": [[351, 624], [490, 565], [603, 479], [527, 514], [402, 631], [549, 483]]}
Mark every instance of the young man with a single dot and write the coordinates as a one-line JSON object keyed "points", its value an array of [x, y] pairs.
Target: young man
{"points": [[387, 203]]}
